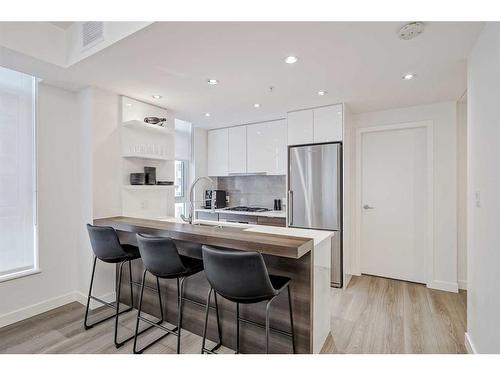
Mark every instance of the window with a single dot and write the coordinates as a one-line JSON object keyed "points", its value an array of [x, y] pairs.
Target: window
{"points": [[18, 255], [180, 185], [183, 158]]}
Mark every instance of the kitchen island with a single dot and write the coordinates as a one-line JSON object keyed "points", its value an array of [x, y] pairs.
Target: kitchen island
{"points": [[301, 254]]}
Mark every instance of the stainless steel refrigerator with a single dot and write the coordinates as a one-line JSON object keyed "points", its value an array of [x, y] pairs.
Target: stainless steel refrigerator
{"points": [[315, 194]]}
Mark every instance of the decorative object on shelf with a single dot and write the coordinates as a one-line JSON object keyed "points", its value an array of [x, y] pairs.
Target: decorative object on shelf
{"points": [[155, 121], [164, 182], [150, 173], [277, 205], [137, 179]]}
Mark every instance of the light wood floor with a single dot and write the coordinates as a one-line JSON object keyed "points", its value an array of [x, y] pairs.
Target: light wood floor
{"points": [[374, 315], [379, 315], [61, 331]]}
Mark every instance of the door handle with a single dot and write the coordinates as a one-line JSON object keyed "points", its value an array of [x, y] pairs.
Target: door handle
{"points": [[290, 207], [368, 207]]}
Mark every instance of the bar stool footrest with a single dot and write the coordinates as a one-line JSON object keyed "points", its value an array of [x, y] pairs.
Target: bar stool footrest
{"points": [[152, 324]]}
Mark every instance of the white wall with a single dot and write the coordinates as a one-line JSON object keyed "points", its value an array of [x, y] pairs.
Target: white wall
{"points": [[444, 117], [483, 294], [101, 177], [462, 191], [59, 208]]}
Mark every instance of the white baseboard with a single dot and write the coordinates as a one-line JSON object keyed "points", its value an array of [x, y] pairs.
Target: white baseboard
{"points": [[443, 285], [52, 303], [471, 349], [35, 309], [462, 284], [347, 280]]}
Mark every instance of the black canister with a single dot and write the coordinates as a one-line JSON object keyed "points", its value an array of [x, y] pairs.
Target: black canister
{"points": [[150, 173], [277, 205]]}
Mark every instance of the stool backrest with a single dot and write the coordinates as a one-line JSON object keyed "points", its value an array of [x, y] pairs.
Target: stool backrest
{"points": [[105, 242], [160, 256], [237, 274]]}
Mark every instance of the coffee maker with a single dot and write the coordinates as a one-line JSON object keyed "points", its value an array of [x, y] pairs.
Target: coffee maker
{"points": [[220, 198]]}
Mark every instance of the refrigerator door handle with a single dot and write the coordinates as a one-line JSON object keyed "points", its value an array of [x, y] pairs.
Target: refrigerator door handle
{"points": [[290, 207]]}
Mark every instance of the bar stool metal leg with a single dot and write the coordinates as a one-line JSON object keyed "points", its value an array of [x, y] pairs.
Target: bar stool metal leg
{"points": [[151, 323], [89, 296], [118, 290], [267, 324], [237, 328], [180, 290], [139, 308], [107, 304], [291, 318], [207, 309], [131, 283], [218, 322]]}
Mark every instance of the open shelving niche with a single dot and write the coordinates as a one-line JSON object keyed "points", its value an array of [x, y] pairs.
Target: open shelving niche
{"points": [[158, 150]]}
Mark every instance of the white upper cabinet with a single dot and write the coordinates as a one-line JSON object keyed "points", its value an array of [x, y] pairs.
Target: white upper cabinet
{"points": [[328, 124], [237, 147], [300, 127], [218, 153], [266, 148]]}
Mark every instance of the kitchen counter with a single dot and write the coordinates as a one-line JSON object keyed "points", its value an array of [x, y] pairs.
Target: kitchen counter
{"points": [[280, 214], [303, 255], [239, 236]]}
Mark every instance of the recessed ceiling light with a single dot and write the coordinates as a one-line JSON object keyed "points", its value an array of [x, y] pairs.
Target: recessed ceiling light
{"points": [[156, 96], [129, 104], [408, 76], [207, 114], [213, 81], [322, 92], [256, 105], [291, 59]]}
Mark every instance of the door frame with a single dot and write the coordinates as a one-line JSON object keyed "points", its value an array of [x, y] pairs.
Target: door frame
{"points": [[429, 250]]}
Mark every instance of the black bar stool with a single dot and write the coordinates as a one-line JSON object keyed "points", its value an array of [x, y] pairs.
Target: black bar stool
{"points": [[242, 277], [107, 248], [162, 259]]}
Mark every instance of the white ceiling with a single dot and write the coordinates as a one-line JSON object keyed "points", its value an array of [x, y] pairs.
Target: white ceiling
{"points": [[357, 63], [62, 24]]}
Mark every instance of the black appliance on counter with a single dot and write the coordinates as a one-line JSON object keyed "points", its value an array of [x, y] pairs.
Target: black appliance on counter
{"points": [[220, 198]]}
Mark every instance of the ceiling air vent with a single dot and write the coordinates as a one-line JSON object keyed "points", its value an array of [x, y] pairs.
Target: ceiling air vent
{"points": [[92, 33]]}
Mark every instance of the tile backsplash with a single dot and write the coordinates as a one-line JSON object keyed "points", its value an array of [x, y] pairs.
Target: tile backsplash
{"points": [[253, 190]]}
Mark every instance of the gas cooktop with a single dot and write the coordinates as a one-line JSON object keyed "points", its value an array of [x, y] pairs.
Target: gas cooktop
{"points": [[247, 209]]}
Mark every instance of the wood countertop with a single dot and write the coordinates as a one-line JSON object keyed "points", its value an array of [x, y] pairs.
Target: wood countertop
{"points": [[235, 238]]}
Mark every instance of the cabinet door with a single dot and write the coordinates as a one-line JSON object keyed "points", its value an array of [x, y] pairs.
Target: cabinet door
{"points": [[266, 148], [237, 149], [276, 135], [257, 148], [300, 127], [218, 152], [328, 124]]}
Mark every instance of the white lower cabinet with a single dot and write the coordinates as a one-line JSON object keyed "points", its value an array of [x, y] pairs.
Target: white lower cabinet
{"points": [[266, 148], [218, 152]]}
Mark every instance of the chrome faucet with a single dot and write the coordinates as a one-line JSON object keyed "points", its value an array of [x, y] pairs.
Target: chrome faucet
{"points": [[190, 218]]}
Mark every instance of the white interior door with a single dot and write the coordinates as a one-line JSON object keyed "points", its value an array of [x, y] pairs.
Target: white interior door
{"points": [[394, 203]]}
